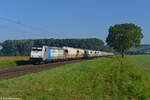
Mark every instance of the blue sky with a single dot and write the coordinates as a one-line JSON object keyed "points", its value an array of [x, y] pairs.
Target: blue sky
{"points": [[27, 19]]}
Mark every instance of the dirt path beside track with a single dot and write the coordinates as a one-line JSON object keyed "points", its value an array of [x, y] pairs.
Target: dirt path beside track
{"points": [[7, 73]]}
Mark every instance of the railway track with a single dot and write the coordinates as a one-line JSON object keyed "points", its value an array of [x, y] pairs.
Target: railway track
{"points": [[13, 72]]}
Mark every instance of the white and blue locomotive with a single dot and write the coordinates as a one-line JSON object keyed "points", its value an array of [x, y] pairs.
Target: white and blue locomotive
{"points": [[47, 54]]}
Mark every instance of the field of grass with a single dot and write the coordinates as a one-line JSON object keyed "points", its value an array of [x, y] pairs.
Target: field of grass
{"points": [[13, 61], [142, 60], [98, 79]]}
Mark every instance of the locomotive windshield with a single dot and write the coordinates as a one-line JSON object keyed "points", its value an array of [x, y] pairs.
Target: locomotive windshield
{"points": [[36, 49]]}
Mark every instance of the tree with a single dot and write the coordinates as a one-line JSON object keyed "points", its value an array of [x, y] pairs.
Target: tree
{"points": [[122, 37]]}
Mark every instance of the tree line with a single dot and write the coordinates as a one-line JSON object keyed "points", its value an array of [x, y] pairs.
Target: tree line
{"points": [[23, 47]]}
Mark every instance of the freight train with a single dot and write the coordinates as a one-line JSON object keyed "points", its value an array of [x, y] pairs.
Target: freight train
{"points": [[47, 54]]}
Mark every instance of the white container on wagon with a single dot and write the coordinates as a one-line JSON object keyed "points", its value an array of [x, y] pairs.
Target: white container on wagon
{"points": [[70, 52], [80, 51]]}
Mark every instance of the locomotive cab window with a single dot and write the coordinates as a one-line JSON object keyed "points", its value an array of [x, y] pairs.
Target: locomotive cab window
{"points": [[36, 49]]}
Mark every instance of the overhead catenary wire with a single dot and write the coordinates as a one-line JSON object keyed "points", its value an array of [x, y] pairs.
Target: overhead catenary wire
{"points": [[43, 31]]}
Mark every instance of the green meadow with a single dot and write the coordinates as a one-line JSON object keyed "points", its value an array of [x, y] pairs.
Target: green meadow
{"points": [[141, 60], [111, 78]]}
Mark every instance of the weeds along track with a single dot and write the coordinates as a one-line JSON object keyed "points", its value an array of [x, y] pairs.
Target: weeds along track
{"points": [[8, 73]]}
